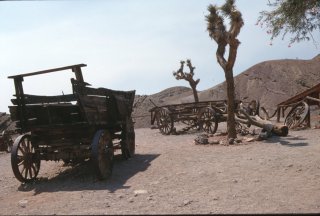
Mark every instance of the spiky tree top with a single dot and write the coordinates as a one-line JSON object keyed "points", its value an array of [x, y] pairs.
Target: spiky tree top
{"points": [[180, 74], [223, 36]]}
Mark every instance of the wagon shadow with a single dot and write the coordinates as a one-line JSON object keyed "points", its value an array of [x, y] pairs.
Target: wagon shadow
{"points": [[82, 177], [288, 141]]}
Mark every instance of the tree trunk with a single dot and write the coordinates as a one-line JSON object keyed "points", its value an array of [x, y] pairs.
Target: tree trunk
{"points": [[231, 123], [195, 93], [280, 130]]}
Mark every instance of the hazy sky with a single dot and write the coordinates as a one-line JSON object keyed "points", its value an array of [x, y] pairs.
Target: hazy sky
{"points": [[127, 44]]}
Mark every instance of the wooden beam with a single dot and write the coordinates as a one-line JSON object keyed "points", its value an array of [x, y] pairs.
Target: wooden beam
{"points": [[49, 71], [35, 99], [302, 95], [313, 99]]}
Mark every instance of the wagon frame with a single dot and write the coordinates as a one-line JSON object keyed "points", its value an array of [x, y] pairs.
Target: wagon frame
{"points": [[203, 115], [90, 123]]}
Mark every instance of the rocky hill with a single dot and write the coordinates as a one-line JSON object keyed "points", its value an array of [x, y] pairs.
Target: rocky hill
{"points": [[270, 82]]}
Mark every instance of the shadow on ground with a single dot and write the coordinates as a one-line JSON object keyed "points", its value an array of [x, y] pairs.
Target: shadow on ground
{"points": [[290, 141], [82, 176]]}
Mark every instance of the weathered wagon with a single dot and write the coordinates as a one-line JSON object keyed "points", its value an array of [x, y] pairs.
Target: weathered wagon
{"points": [[90, 123], [202, 115]]}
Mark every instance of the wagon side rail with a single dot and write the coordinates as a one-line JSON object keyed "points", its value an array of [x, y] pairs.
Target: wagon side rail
{"points": [[38, 99], [104, 106], [22, 110], [43, 110]]}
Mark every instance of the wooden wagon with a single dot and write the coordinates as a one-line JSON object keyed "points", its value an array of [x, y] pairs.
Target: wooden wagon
{"points": [[90, 123], [201, 115]]}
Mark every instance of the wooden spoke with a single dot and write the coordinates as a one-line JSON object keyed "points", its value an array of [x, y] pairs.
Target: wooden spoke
{"points": [[164, 121], [208, 121], [297, 115]]}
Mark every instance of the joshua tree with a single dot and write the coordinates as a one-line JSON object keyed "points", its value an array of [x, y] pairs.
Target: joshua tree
{"points": [[223, 37], [188, 77]]}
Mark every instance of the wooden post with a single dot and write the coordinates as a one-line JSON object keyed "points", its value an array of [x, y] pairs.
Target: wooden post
{"points": [[21, 102], [78, 73]]}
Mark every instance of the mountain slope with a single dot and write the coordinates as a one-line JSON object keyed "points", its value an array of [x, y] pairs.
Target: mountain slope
{"points": [[270, 82]]}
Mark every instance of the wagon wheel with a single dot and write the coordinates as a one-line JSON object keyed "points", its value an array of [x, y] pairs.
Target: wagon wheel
{"points": [[128, 144], [25, 159], [164, 121], [208, 121], [297, 115], [102, 154]]}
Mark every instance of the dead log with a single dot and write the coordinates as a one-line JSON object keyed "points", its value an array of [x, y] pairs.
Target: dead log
{"points": [[279, 130]]}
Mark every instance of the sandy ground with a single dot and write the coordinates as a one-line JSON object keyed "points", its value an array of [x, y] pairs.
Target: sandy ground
{"points": [[172, 175]]}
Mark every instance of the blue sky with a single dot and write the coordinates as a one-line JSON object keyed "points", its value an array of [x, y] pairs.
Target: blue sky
{"points": [[127, 44]]}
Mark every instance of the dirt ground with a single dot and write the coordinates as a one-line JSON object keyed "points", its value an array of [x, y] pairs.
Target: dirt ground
{"points": [[172, 175]]}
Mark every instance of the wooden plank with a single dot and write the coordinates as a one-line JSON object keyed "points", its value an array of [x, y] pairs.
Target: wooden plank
{"points": [[302, 95], [63, 137], [107, 92], [48, 114], [189, 107], [313, 99], [93, 101], [20, 96], [47, 71], [61, 127], [35, 99], [120, 102], [198, 104], [126, 96], [97, 118], [95, 109]]}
